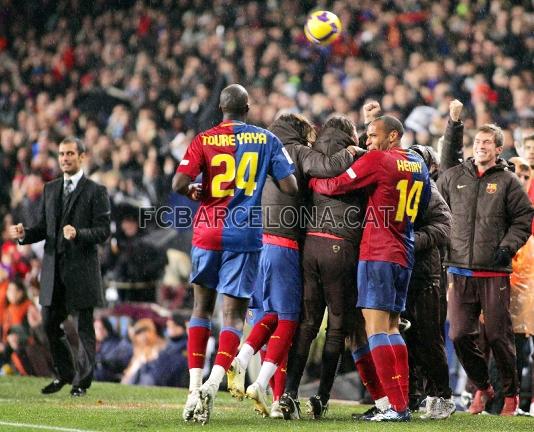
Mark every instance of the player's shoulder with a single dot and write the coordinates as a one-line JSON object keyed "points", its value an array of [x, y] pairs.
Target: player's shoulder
{"points": [[375, 157], [258, 129], [215, 130]]}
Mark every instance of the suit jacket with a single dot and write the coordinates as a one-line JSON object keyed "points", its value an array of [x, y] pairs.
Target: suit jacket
{"points": [[88, 211]]}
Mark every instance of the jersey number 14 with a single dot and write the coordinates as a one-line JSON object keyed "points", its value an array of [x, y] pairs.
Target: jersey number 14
{"points": [[248, 162], [408, 200]]}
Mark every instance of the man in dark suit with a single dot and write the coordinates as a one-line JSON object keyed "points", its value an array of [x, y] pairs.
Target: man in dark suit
{"points": [[74, 218]]}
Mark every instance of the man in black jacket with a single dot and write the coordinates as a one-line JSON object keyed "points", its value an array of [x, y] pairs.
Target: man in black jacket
{"points": [[332, 242], [275, 306], [426, 345], [74, 219], [492, 216]]}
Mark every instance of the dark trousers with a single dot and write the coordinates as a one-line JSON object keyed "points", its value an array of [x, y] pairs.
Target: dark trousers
{"points": [[468, 298], [425, 341], [329, 281], [78, 369]]}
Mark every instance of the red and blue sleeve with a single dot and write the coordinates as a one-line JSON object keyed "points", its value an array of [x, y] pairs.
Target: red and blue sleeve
{"points": [[193, 161], [364, 172]]}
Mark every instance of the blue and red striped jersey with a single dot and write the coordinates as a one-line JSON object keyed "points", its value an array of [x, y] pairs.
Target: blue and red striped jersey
{"points": [[234, 159], [398, 189]]}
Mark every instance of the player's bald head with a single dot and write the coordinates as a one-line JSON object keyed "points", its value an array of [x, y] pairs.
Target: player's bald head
{"points": [[234, 100], [391, 124]]}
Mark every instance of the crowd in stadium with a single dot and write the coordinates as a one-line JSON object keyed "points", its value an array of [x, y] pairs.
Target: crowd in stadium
{"points": [[137, 80]]}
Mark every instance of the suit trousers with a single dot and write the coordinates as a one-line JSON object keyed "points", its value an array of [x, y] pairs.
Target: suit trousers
{"points": [[76, 369], [467, 298]]}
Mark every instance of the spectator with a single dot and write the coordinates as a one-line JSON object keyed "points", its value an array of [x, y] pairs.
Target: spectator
{"points": [[27, 210], [528, 149], [132, 264], [170, 368], [147, 346], [113, 353], [27, 355], [17, 308]]}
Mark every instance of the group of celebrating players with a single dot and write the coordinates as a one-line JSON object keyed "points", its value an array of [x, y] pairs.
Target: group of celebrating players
{"points": [[355, 257]]}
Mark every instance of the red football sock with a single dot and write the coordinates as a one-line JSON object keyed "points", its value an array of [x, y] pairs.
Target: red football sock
{"points": [[279, 379], [384, 360], [228, 345], [401, 361], [262, 331], [197, 341], [280, 341], [367, 371]]}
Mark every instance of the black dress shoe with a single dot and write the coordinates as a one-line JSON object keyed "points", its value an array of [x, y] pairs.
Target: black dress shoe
{"points": [[78, 391], [54, 386]]}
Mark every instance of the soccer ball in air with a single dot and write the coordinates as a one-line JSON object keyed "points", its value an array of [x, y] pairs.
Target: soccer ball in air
{"points": [[322, 27]]}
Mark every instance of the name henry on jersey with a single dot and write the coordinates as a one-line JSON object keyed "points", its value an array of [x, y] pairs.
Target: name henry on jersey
{"points": [[225, 140], [409, 166]]}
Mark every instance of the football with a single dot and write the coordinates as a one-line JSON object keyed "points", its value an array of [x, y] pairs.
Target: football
{"points": [[322, 27]]}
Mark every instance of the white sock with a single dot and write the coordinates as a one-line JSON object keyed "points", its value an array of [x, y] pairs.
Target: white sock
{"points": [[195, 378], [245, 354], [216, 376], [266, 373], [382, 404]]}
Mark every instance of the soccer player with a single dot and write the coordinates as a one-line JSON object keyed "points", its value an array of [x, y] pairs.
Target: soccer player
{"points": [[235, 159], [276, 302], [398, 188]]}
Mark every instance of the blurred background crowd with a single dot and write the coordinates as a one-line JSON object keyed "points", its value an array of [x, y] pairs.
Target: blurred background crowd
{"points": [[136, 80]]}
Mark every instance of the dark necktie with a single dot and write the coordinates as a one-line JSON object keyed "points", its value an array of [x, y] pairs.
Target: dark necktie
{"points": [[67, 192], [69, 187]]}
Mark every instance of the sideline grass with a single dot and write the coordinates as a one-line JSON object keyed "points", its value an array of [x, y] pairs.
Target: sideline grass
{"points": [[113, 407]]}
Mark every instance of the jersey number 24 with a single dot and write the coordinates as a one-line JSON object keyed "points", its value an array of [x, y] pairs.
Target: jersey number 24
{"points": [[249, 161]]}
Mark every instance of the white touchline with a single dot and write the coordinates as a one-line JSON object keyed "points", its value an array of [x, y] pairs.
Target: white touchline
{"points": [[36, 426]]}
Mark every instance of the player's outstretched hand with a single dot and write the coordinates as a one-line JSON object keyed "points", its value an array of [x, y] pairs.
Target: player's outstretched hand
{"points": [[195, 191], [371, 111], [455, 109]]}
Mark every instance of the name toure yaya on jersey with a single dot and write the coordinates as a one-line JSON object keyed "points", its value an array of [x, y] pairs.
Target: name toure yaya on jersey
{"points": [[225, 140]]}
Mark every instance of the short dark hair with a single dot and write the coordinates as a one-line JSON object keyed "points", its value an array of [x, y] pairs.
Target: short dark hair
{"points": [[341, 123], [234, 99], [498, 135], [80, 146], [391, 124]]}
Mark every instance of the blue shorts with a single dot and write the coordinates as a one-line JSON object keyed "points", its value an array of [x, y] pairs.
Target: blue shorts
{"points": [[382, 285], [278, 285], [231, 273]]}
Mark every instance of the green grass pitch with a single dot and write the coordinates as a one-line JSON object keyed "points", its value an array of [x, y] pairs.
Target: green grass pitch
{"points": [[113, 407]]}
